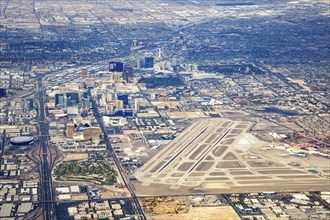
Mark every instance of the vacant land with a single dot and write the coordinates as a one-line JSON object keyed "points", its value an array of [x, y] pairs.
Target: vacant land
{"points": [[163, 206], [73, 156], [201, 213]]}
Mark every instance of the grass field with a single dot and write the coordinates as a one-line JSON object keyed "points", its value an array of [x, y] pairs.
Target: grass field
{"points": [[87, 171]]}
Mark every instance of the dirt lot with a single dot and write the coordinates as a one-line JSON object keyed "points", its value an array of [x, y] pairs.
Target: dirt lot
{"points": [[204, 166], [233, 164], [217, 174], [230, 156], [79, 197], [73, 156], [281, 172], [264, 163], [165, 207], [186, 114], [202, 213], [219, 151], [233, 173], [185, 166]]}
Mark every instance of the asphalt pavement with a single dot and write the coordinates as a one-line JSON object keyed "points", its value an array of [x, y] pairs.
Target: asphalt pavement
{"points": [[46, 189], [117, 161]]}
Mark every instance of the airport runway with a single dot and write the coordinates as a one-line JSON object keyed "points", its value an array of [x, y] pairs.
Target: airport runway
{"points": [[214, 154]]}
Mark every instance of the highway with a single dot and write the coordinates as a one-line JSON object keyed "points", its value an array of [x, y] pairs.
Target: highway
{"points": [[3, 142], [46, 189], [116, 160], [45, 164]]}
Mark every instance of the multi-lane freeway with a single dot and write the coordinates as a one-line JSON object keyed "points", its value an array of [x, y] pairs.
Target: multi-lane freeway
{"points": [[3, 142], [46, 163], [46, 188]]}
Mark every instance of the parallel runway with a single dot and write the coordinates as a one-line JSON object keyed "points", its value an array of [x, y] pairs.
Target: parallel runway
{"points": [[214, 154]]}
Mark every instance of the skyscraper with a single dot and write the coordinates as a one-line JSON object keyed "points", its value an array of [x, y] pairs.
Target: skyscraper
{"points": [[109, 108], [128, 73], [159, 53], [31, 104], [116, 76], [119, 104], [72, 99], [2, 92], [70, 130], [116, 66], [124, 98], [84, 73], [136, 104], [148, 62], [138, 64], [85, 100], [59, 101]]}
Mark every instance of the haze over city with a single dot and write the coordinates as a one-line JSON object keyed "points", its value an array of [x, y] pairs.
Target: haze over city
{"points": [[164, 109]]}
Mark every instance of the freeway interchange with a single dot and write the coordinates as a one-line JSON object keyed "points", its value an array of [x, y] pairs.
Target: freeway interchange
{"points": [[47, 193], [43, 157]]}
